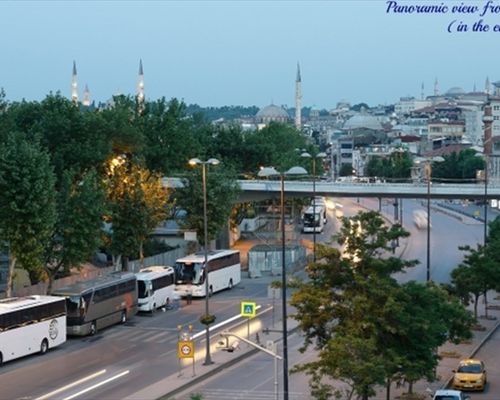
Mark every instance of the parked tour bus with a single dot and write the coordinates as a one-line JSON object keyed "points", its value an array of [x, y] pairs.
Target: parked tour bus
{"points": [[30, 325], [156, 287], [224, 271], [100, 302], [312, 219]]}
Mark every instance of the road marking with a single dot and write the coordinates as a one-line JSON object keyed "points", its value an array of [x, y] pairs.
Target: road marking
{"points": [[97, 385], [69, 386], [225, 322], [156, 336]]}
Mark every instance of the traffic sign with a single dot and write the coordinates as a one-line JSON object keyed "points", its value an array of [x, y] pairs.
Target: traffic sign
{"points": [[185, 349], [248, 309]]}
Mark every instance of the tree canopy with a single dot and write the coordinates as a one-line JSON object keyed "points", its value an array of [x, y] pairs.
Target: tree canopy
{"points": [[352, 306]]}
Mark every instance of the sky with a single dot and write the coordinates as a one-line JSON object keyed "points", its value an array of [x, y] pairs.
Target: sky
{"points": [[231, 52]]}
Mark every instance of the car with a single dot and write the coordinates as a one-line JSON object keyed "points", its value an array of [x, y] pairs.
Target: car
{"points": [[449, 395], [470, 375]]}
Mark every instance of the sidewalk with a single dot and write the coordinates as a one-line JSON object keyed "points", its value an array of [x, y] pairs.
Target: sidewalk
{"points": [[452, 354], [176, 384]]}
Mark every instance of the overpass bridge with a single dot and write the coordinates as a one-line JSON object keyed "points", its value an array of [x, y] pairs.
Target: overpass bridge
{"points": [[255, 190]]}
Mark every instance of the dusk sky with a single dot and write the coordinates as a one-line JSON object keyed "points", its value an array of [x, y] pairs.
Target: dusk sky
{"points": [[242, 52]]}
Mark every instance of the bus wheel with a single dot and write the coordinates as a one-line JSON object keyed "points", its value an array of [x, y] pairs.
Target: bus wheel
{"points": [[230, 286], [93, 329], [153, 309], [1, 359], [123, 319], [44, 346]]}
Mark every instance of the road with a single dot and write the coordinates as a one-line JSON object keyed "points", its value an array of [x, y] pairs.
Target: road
{"points": [[490, 354], [254, 378], [125, 358], [134, 355], [447, 233]]}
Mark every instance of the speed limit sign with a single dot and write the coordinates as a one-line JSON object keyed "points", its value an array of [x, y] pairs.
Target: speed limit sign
{"points": [[185, 349]]}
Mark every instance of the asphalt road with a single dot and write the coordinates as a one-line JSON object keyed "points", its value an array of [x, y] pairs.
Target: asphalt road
{"points": [[132, 356], [123, 359], [254, 378], [490, 355]]}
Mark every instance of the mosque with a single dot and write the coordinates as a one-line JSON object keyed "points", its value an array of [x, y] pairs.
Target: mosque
{"points": [[86, 101], [265, 115]]}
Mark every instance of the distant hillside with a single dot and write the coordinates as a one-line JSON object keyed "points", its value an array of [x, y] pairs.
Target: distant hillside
{"points": [[226, 112]]}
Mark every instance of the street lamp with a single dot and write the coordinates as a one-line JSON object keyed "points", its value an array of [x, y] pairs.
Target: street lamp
{"points": [[486, 162], [194, 162], [332, 166], [428, 175], [267, 172], [314, 158]]}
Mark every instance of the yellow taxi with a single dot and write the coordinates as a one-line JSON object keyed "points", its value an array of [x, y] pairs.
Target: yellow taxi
{"points": [[470, 375]]}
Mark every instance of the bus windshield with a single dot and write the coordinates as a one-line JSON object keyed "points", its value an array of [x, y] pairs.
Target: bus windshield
{"points": [[143, 289], [76, 305], [189, 273], [311, 219]]}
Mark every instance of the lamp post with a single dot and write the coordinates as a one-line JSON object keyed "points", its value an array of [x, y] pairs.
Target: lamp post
{"points": [[485, 233], [194, 162], [270, 171], [314, 158], [486, 162], [428, 175], [488, 147], [332, 166]]}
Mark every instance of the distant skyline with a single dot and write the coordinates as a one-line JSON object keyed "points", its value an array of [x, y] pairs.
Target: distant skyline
{"points": [[217, 53]]}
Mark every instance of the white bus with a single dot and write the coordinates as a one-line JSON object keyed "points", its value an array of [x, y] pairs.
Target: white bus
{"points": [[312, 219], [30, 325], [320, 202], [224, 271], [156, 287], [420, 219]]}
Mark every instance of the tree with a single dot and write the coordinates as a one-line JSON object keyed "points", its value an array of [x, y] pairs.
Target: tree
{"points": [[27, 204], [170, 136], [396, 166], [275, 145], [352, 307], [78, 229], [460, 166], [346, 170], [138, 202], [222, 191], [426, 316]]}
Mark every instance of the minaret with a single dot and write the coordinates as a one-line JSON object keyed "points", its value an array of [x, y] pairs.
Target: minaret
{"points": [[140, 84], [422, 91], [487, 86], [74, 85], [474, 88], [86, 96], [488, 124], [298, 99], [436, 87]]}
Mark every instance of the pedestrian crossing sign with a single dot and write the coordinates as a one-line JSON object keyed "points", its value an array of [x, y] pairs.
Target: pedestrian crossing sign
{"points": [[248, 309]]}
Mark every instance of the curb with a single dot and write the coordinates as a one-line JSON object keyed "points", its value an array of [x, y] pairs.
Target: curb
{"points": [[447, 383], [220, 367], [200, 378]]}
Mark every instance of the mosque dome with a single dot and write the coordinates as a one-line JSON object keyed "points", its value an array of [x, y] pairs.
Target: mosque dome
{"points": [[272, 113], [455, 91], [363, 121]]}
